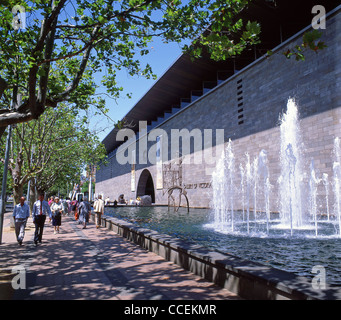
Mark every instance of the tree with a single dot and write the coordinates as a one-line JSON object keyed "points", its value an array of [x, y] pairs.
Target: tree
{"points": [[65, 42], [51, 150], [9, 185]]}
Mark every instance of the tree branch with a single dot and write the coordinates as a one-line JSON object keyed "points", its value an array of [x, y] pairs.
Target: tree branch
{"points": [[46, 27], [13, 117], [3, 86], [46, 68], [81, 70]]}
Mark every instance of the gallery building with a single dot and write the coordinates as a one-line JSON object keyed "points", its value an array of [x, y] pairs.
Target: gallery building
{"points": [[179, 128]]}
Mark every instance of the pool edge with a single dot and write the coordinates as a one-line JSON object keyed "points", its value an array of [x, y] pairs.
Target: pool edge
{"points": [[249, 280]]}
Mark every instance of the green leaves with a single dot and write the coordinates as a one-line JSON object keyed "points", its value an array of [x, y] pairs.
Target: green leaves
{"points": [[310, 40], [55, 61], [99, 36], [102, 20], [59, 142], [252, 31]]}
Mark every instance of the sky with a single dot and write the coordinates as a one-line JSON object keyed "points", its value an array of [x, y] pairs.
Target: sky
{"points": [[160, 57]]}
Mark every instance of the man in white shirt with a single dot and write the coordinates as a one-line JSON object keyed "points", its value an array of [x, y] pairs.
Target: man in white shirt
{"points": [[40, 210], [20, 214], [99, 210]]}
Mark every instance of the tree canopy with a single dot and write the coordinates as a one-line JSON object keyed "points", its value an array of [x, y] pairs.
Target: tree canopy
{"points": [[52, 149], [64, 43]]}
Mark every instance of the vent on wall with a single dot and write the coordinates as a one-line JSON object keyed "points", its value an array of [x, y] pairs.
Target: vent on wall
{"points": [[240, 103]]}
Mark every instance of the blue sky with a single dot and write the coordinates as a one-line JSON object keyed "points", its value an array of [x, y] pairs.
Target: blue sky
{"points": [[160, 57]]}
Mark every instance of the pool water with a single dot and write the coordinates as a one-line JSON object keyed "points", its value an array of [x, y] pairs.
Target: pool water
{"points": [[298, 255]]}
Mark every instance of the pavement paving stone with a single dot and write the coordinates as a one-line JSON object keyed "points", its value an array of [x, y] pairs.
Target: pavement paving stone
{"points": [[95, 264]]}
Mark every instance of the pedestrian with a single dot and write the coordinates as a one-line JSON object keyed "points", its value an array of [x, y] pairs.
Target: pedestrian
{"points": [[65, 206], [99, 210], [84, 212], [56, 214], [21, 213], [74, 209], [68, 203], [39, 212], [51, 200]]}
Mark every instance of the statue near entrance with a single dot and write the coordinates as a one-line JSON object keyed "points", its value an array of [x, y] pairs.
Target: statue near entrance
{"points": [[172, 184]]}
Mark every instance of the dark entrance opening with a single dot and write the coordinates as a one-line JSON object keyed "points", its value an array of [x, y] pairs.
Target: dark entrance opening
{"points": [[146, 185]]}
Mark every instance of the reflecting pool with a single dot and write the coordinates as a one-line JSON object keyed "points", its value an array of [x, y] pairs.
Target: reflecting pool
{"points": [[294, 254]]}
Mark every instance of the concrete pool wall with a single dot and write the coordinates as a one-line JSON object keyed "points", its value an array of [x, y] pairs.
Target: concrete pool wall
{"points": [[248, 279]]}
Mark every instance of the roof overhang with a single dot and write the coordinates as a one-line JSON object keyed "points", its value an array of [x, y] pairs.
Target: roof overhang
{"points": [[186, 75]]}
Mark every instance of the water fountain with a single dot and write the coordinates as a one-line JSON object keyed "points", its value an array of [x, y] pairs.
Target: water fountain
{"points": [[325, 181], [255, 185], [242, 188], [219, 205], [264, 175], [248, 187], [290, 188], [223, 190], [337, 190], [337, 181], [296, 238], [230, 179], [314, 181], [297, 190]]}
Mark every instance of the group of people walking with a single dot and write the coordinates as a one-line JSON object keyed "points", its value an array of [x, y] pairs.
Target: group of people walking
{"points": [[54, 209]]}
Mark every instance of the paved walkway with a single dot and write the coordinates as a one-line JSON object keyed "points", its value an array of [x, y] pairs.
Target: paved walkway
{"points": [[93, 264]]}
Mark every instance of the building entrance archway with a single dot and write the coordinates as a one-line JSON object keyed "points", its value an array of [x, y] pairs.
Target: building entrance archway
{"points": [[145, 185]]}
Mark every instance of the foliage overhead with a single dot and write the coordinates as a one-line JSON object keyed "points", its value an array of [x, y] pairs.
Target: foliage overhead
{"points": [[65, 43], [52, 149]]}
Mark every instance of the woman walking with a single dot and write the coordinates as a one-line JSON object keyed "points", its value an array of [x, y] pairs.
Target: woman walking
{"points": [[84, 212], [51, 201], [57, 210]]}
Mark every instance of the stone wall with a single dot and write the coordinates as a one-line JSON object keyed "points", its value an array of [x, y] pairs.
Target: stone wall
{"points": [[248, 107]]}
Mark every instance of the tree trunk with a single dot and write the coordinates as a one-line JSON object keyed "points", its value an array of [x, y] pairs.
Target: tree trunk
{"points": [[16, 175], [17, 193], [2, 130], [3, 86], [32, 194]]}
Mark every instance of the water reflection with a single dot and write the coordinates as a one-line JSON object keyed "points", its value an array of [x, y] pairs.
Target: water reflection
{"points": [[297, 255]]}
